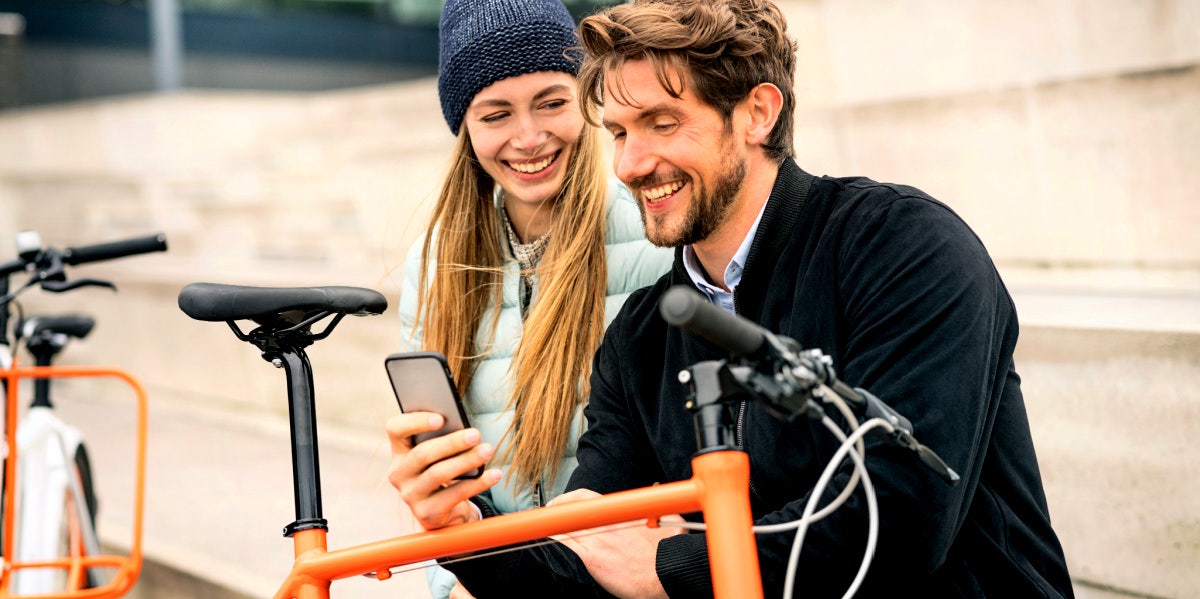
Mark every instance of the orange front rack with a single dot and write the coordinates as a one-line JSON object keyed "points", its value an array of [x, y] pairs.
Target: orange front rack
{"points": [[127, 567]]}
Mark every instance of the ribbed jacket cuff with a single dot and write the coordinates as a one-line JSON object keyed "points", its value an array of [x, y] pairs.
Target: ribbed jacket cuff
{"points": [[682, 566]]}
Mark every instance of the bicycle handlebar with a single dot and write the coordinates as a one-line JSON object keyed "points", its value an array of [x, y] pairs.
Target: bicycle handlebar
{"points": [[115, 249], [88, 253], [49, 263], [8, 268], [688, 310], [803, 369]]}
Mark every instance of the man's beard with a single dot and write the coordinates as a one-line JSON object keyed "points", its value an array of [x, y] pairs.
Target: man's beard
{"points": [[707, 210]]}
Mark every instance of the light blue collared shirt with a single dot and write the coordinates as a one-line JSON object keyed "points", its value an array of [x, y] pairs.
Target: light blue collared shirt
{"points": [[733, 272]]}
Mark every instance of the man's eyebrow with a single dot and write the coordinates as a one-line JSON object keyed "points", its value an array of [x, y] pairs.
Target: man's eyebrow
{"points": [[645, 114]]}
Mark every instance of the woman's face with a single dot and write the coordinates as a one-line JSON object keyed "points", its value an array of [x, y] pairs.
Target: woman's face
{"points": [[523, 130]]}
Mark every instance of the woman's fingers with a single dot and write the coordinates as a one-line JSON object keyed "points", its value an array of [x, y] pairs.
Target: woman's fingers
{"points": [[450, 504], [438, 461], [402, 427], [426, 474]]}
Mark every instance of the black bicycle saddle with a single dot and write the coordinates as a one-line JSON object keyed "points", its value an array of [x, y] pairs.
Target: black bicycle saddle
{"points": [[214, 302], [72, 325]]}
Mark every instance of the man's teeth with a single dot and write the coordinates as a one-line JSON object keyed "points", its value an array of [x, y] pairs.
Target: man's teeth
{"points": [[654, 194], [531, 167]]}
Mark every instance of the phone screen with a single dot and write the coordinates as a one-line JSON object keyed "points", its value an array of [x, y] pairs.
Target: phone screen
{"points": [[422, 383]]}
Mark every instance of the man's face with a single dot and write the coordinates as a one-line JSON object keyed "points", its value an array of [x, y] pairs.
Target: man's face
{"points": [[677, 155]]}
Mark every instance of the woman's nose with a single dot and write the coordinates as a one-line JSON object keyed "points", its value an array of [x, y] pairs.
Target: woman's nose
{"points": [[530, 134]]}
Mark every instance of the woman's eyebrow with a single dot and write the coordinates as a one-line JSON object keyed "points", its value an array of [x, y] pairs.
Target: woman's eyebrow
{"points": [[501, 102], [491, 102], [553, 89]]}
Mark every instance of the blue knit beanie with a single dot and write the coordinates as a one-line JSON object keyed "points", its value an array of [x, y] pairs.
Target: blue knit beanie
{"points": [[484, 41]]}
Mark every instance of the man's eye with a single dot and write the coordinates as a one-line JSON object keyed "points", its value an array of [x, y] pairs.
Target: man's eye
{"points": [[664, 127]]}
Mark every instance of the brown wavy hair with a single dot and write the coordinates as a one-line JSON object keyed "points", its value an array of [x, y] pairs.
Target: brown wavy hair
{"points": [[722, 48], [563, 327]]}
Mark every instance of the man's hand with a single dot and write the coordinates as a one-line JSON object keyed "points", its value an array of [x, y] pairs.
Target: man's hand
{"points": [[425, 474], [620, 557], [460, 592]]}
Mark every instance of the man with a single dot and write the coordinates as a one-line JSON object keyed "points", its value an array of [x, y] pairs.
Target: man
{"points": [[887, 281]]}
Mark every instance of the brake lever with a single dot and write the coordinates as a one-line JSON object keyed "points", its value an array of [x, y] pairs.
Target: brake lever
{"points": [[61, 286], [902, 436]]}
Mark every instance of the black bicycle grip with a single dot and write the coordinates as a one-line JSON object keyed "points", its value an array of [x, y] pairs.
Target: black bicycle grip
{"points": [[8, 268], [115, 249], [688, 310]]}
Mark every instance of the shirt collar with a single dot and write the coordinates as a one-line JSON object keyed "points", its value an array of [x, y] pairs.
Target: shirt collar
{"points": [[733, 271]]}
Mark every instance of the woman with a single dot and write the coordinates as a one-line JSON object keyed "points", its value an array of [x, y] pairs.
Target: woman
{"points": [[530, 255]]}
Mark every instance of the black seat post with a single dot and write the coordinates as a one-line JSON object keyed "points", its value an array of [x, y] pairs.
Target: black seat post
{"points": [[306, 466], [45, 337], [43, 355]]}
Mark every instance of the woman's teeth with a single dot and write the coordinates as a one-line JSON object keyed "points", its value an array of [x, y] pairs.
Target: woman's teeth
{"points": [[531, 167], [654, 194]]}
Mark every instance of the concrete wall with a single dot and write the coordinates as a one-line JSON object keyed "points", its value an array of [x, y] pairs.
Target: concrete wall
{"points": [[1066, 132]]}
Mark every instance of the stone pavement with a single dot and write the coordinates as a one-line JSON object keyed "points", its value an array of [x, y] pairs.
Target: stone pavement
{"points": [[218, 493]]}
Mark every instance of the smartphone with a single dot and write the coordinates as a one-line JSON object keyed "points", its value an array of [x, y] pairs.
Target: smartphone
{"points": [[422, 383]]}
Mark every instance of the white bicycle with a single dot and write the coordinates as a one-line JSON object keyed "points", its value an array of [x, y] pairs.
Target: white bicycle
{"points": [[50, 548]]}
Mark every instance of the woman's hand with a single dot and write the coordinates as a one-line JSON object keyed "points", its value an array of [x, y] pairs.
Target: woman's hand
{"points": [[425, 474]]}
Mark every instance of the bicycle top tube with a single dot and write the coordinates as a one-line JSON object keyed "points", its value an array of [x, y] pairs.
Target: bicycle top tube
{"points": [[215, 302], [719, 488]]}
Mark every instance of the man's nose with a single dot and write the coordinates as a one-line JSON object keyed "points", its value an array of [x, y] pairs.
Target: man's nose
{"points": [[633, 159]]}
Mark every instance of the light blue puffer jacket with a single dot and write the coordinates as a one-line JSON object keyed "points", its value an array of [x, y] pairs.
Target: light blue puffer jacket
{"points": [[632, 262]]}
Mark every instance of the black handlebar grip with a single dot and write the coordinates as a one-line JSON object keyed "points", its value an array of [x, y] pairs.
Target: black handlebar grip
{"points": [[687, 310], [8, 268], [115, 249]]}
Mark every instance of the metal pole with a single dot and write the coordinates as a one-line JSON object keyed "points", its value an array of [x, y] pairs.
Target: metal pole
{"points": [[166, 38], [12, 26]]}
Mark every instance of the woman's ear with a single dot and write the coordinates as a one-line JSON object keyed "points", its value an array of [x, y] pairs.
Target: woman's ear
{"points": [[763, 105]]}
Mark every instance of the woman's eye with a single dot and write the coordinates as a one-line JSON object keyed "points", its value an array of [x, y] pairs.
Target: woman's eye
{"points": [[551, 105], [494, 117]]}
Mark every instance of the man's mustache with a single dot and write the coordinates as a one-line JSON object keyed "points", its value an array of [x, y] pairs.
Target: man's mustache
{"points": [[656, 179]]}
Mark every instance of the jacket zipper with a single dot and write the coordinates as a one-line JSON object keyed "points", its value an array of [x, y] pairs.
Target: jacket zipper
{"points": [[741, 416]]}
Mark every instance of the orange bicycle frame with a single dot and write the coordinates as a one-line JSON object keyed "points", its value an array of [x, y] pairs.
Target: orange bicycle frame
{"points": [[128, 567], [718, 488]]}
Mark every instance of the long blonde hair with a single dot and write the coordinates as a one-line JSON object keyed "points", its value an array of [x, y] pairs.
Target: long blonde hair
{"points": [[553, 359]]}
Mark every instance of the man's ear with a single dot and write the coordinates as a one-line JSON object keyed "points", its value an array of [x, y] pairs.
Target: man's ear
{"points": [[763, 105]]}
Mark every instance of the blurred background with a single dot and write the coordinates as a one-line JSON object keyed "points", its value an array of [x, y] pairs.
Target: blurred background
{"points": [[300, 142]]}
